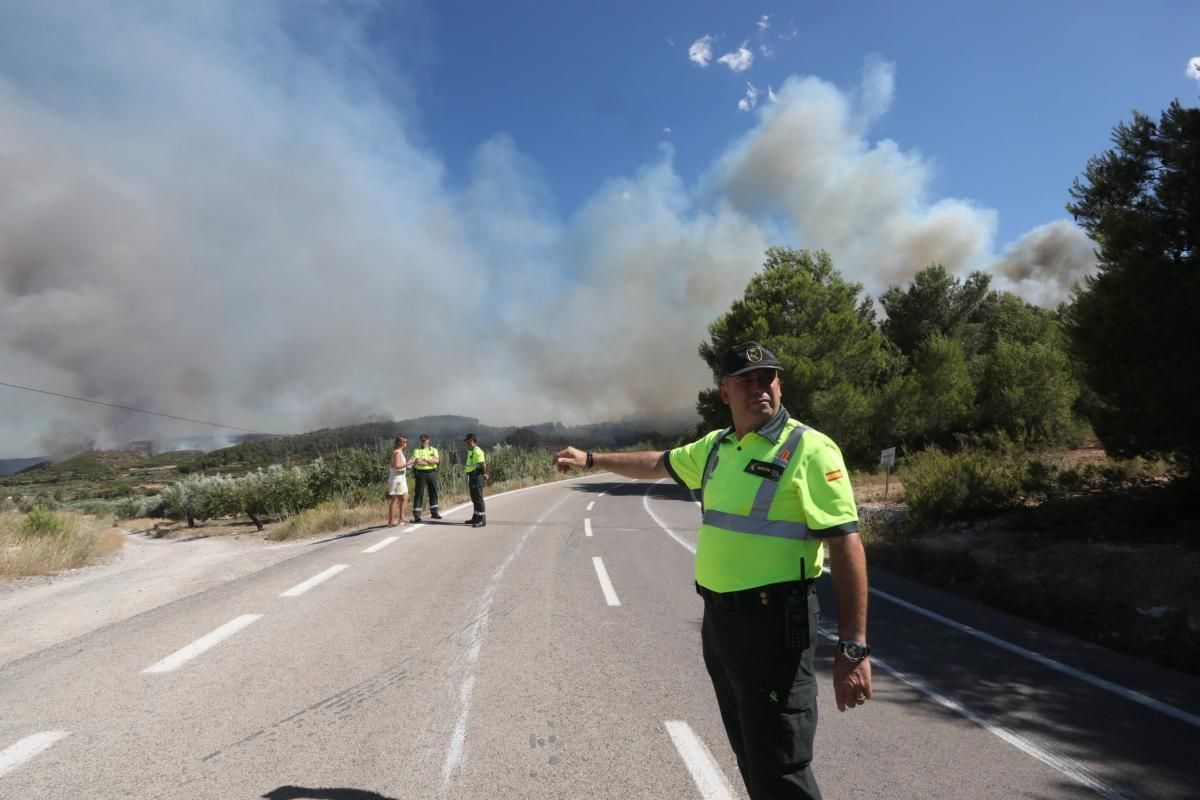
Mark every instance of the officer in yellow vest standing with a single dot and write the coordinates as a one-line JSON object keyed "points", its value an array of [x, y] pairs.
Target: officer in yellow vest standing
{"points": [[425, 465], [476, 469], [775, 495]]}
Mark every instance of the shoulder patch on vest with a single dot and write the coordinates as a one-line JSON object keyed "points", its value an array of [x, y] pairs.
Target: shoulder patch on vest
{"points": [[837, 474]]}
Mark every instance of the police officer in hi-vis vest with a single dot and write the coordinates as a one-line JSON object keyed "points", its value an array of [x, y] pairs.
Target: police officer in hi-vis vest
{"points": [[425, 467], [775, 496], [476, 469]]}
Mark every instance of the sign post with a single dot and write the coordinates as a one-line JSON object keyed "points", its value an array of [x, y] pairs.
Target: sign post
{"points": [[886, 459]]}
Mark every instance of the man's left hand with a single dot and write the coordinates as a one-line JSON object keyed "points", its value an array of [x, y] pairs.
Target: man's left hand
{"points": [[851, 682]]}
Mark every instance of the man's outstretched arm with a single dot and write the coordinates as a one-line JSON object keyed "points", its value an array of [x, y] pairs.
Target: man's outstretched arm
{"points": [[643, 465]]}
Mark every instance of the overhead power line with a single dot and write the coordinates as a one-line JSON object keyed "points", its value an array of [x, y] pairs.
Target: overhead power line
{"points": [[138, 410]]}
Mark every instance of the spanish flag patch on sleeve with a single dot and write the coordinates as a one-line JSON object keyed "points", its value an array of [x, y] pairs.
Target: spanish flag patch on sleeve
{"points": [[833, 476]]}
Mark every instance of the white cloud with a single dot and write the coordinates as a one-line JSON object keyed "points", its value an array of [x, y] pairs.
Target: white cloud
{"points": [[670, 42], [750, 101], [764, 22], [666, 131], [771, 95], [701, 50], [1193, 68], [738, 60], [766, 51]]}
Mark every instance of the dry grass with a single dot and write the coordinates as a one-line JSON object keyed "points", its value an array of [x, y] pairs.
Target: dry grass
{"points": [[73, 541], [328, 517]]}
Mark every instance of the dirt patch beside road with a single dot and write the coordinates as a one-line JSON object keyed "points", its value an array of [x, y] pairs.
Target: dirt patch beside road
{"points": [[40, 612]]}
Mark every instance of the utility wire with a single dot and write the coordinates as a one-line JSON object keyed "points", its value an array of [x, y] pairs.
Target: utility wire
{"points": [[139, 410]]}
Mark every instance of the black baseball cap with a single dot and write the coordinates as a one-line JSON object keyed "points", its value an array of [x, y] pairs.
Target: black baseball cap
{"points": [[470, 436], [747, 356]]}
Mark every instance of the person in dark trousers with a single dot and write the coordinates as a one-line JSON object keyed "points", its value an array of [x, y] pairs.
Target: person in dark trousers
{"points": [[476, 469], [425, 468], [775, 495]]}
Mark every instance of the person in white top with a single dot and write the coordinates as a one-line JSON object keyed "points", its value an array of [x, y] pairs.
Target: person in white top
{"points": [[398, 483]]}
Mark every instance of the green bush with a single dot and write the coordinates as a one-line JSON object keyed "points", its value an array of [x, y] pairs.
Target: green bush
{"points": [[940, 486], [42, 522]]}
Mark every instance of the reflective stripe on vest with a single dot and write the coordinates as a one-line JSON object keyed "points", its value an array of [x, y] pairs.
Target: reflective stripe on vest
{"points": [[756, 521]]}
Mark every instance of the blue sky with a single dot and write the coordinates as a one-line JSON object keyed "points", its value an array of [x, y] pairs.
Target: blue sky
{"points": [[286, 215]]}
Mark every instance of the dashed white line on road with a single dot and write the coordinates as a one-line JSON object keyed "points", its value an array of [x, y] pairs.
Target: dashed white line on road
{"points": [[181, 657], [711, 782], [589, 505], [610, 596], [375, 548], [17, 754], [587, 526], [301, 588]]}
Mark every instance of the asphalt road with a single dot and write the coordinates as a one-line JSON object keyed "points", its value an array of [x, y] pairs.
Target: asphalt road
{"points": [[555, 654]]}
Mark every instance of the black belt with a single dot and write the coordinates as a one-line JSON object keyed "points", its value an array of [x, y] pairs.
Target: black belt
{"points": [[758, 597]]}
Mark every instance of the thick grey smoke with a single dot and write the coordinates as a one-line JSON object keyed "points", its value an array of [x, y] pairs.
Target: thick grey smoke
{"points": [[200, 215]]}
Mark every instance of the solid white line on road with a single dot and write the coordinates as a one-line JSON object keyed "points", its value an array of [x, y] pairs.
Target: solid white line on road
{"points": [[1063, 765], [1100, 683], [180, 657], [711, 782], [1050, 663], [474, 635], [587, 526], [301, 588], [589, 505], [16, 755], [610, 596], [375, 548], [646, 505]]}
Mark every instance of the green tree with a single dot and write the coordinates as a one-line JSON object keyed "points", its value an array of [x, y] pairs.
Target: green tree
{"points": [[1134, 325], [945, 393], [834, 357], [937, 303]]}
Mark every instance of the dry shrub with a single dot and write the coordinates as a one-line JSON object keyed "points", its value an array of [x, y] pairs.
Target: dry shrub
{"points": [[329, 517], [44, 542]]}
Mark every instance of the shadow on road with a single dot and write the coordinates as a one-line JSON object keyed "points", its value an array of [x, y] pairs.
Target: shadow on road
{"points": [[329, 793], [667, 490]]}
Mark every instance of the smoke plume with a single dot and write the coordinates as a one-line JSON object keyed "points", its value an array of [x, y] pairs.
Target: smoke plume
{"points": [[213, 211]]}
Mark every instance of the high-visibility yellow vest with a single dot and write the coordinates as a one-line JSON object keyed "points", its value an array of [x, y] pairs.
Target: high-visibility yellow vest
{"points": [[425, 453], [768, 499], [475, 459]]}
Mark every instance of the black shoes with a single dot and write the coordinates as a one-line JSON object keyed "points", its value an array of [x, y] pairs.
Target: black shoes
{"points": [[435, 515], [479, 523]]}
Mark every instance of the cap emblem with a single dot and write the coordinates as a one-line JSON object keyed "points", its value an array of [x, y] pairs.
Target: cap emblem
{"points": [[754, 354]]}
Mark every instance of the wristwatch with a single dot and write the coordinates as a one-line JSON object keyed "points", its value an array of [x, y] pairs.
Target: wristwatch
{"points": [[854, 651]]}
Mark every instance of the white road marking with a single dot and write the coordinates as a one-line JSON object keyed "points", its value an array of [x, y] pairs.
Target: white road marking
{"points": [[587, 526], [375, 548], [1050, 663], [646, 505], [17, 754], [474, 634], [711, 782], [589, 505], [610, 596], [1100, 683], [301, 588], [180, 657], [1068, 768], [1063, 765]]}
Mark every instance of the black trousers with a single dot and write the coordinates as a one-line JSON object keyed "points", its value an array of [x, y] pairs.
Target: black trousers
{"points": [[475, 485], [425, 478], [767, 696]]}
